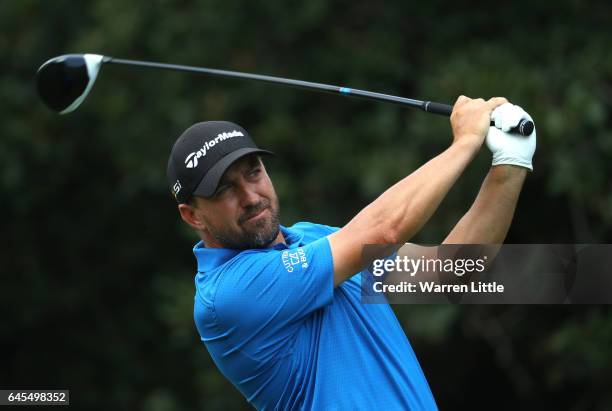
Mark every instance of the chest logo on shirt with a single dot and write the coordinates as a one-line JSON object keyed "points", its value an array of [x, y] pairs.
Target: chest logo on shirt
{"points": [[293, 258]]}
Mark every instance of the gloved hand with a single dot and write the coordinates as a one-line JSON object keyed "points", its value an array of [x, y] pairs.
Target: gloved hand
{"points": [[510, 148]]}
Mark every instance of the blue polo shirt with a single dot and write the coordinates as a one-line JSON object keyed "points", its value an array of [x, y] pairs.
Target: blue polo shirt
{"points": [[279, 331]]}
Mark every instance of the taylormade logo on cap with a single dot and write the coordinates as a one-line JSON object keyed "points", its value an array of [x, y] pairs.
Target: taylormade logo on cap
{"points": [[191, 161]]}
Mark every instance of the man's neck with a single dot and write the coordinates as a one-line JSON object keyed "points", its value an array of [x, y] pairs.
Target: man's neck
{"points": [[280, 239]]}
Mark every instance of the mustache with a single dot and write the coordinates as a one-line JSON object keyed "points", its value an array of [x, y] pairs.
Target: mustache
{"points": [[254, 210]]}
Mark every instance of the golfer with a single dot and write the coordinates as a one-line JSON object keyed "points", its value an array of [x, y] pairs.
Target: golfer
{"points": [[279, 309]]}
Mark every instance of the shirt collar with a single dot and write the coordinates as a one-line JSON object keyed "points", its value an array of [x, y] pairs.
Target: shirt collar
{"points": [[211, 258]]}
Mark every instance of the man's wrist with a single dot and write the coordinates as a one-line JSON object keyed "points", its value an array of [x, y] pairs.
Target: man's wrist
{"points": [[468, 143], [508, 172]]}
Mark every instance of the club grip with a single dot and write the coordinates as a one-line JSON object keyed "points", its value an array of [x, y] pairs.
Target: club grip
{"points": [[438, 108], [524, 127]]}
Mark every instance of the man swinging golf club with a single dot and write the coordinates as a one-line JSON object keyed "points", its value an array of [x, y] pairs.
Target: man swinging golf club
{"points": [[279, 308]]}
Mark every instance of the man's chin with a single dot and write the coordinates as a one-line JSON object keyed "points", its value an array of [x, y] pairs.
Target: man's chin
{"points": [[259, 232], [263, 234]]}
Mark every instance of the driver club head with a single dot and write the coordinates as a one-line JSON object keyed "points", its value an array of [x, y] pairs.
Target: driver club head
{"points": [[63, 82]]}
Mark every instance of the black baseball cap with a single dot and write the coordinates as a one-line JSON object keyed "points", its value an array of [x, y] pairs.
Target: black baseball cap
{"points": [[201, 155]]}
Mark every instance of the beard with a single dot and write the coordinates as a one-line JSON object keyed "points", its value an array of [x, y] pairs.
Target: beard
{"points": [[255, 234]]}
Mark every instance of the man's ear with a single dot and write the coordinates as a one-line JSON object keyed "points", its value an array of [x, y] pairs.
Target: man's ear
{"points": [[189, 215]]}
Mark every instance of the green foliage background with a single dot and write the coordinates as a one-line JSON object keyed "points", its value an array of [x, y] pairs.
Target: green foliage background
{"points": [[97, 269]]}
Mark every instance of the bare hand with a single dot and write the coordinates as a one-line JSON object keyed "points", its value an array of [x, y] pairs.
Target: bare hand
{"points": [[471, 119]]}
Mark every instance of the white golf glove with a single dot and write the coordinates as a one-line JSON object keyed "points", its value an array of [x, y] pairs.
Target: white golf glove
{"points": [[510, 148]]}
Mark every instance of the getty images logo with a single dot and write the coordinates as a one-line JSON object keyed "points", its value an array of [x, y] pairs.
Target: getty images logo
{"points": [[192, 158]]}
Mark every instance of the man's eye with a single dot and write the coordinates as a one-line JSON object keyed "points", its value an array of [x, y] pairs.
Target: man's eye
{"points": [[221, 190], [255, 171]]}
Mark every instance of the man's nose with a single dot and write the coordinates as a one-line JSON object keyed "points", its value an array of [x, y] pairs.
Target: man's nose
{"points": [[248, 195]]}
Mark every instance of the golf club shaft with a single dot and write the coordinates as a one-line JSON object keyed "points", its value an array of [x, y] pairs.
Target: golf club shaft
{"points": [[277, 80], [428, 106]]}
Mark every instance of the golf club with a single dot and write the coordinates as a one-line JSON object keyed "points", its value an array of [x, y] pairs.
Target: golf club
{"points": [[64, 82]]}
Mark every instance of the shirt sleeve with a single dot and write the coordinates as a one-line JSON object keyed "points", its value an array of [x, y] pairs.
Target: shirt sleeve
{"points": [[265, 295]]}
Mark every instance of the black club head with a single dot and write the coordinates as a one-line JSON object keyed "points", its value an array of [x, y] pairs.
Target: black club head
{"points": [[63, 82]]}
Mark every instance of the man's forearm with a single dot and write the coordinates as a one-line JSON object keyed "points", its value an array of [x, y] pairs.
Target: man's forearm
{"points": [[405, 207], [489, 218], [400, 211]]}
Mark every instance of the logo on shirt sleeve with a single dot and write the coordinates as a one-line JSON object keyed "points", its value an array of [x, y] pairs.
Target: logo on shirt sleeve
{"points": [[292, 258]]}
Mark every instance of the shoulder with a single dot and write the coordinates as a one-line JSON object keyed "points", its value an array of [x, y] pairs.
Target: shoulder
{"points": [[230, 274], [257, 287], [231, 287]]}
